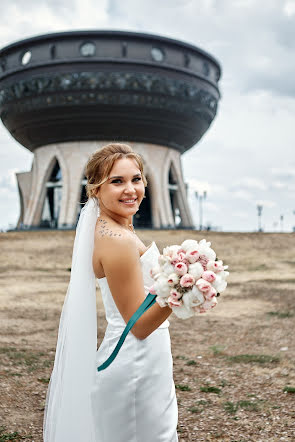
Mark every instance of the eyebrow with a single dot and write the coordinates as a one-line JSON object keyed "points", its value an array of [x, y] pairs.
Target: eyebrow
{"points": [[112, 177]]}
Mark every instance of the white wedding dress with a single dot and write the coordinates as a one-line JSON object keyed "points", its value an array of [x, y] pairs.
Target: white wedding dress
{"points": [[133, 399]]}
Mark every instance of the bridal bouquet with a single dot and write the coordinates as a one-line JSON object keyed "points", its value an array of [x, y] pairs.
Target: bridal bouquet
{"points": [[188, 278]]}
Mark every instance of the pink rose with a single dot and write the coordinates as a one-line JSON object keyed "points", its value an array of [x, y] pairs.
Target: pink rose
{"points": [[215, 266], [175, 261], [203, 286], [187, 280], [210, 294], [192, 256], [180, 268], [204, 261], [174, 302], [173, 279], [181, 256], [175, 294], [209, 276]]}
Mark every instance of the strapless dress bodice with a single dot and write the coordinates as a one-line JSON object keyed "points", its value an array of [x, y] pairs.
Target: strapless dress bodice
{"points": [[114, 318]]}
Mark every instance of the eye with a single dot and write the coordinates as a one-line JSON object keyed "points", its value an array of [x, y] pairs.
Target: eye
{"points": [[118, 179]]}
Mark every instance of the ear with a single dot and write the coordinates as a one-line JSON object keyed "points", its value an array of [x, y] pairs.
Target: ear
{"points": [[97, 193]]}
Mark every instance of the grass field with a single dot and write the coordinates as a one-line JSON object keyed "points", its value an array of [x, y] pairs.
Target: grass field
{"points": [[233, 367]]}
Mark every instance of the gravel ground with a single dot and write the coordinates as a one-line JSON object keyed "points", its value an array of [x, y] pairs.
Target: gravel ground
{"points": [[233, 367]]}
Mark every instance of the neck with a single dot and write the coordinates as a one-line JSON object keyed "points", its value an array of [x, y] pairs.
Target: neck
{"points": [[123, 221]]}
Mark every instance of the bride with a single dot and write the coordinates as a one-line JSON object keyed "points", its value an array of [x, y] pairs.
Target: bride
{"points": [[133, 399]]}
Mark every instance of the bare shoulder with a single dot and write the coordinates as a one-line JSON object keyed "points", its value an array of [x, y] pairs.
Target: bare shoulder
{"points": [[111, 243], [105, 229]]}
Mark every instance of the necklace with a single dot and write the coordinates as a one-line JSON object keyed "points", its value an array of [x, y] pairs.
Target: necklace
{"points": [[132, 228]]}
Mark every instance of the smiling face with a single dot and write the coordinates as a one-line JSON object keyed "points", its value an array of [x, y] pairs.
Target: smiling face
{"points": [[124, 184]]}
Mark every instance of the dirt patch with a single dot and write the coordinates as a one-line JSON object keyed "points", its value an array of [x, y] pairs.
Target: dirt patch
{"points": [[233, 367]]}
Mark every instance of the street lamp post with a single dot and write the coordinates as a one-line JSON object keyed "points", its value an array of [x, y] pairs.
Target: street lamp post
{"points": [[259, 208], [281, 222], [200, 198]]}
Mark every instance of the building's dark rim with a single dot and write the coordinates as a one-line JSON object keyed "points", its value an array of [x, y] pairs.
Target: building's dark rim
{"points": [[110, 33], [114, 61]]}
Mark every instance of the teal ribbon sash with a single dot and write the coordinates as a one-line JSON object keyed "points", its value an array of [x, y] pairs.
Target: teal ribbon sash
{"points": [[147, 303]]}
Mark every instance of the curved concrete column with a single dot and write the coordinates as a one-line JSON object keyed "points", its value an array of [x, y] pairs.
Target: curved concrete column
{"points": [[24, 182], [156, 157], [181, 197], [44, 160]]}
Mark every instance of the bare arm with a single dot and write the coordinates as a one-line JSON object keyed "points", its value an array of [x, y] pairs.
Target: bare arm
{"points": [[122, 269]]}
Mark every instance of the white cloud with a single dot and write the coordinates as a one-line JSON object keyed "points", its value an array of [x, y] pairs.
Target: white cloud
{"points": [[242, 195], [289, 8], [266, 203], [279, 185], [211, 206], [284, 173], [242, 214], [199, 186], [252, 183]]}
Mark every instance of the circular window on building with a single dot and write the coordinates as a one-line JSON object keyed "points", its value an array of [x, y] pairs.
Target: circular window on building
{"points": [[26, 57], [157, 54], [88, 49]]}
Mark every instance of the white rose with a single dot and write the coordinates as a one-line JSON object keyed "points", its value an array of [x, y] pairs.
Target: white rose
{"points": [[193, 297], [168, 268], [223, 274], [161, 301], [171, 250], [162, 287], [189, 244], [155, 272], [207, 251], [196, 270], [219, 284], [205, 243], [182, 312], [162, 260]]}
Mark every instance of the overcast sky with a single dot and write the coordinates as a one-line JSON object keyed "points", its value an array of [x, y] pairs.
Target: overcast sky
{"points": [[247, 156]]}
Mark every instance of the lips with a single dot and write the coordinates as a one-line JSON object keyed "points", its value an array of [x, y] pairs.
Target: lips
{"points": [[129, 201]]}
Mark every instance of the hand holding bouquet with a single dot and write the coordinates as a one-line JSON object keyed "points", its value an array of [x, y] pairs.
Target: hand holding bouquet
{"points": [[189, 278]]}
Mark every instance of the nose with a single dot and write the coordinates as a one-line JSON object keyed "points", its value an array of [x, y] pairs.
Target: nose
{"points": [[130, 189]]}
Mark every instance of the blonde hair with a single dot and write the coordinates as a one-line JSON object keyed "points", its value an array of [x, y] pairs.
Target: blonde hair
{"points": [[101, 162]]}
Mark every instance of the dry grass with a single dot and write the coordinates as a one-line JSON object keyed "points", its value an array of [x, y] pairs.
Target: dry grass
{"points": [[233, 368]]}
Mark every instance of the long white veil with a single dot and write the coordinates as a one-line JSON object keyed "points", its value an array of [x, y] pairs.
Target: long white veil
{"points": [[67, 415]]}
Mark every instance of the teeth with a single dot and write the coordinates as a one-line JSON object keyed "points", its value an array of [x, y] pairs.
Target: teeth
{"points": [[128, 201]]}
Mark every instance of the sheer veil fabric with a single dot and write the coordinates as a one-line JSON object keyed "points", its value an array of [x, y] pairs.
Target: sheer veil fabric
{"points": [[68, 415]]}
